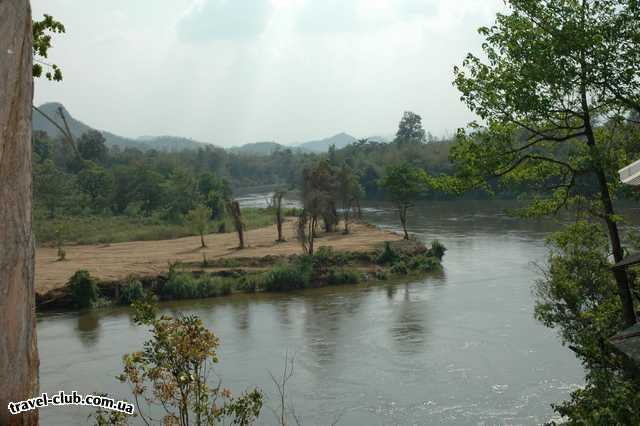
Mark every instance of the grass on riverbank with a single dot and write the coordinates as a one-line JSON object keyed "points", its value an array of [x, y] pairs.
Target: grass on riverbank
{"points": [[118, 229]]}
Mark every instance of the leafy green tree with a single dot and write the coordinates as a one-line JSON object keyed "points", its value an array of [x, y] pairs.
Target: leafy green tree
{"points": [[349, 193], [410, 129], [214, 191], [42, 31], [50, 186], [97, 183], [198, 220], [578, 296], [181, 193], [92, 146], [541, 99], [404, 184]]}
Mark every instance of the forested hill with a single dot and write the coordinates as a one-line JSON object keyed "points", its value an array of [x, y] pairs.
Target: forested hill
{"points": [[77, 128], [340, 140]]}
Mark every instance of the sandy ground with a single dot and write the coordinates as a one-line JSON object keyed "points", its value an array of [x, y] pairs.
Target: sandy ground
{"points": [[117, 261]]}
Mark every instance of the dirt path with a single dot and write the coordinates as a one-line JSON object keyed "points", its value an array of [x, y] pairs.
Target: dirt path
{"points": [[116, 261]]}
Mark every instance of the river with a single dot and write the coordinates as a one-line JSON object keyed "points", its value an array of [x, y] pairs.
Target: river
{"points": [[457, 347]]}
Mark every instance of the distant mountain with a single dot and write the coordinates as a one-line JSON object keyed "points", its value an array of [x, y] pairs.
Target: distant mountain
{"points": [[257, 148], [381, 139], [171, 143], [77, 128], [340, 141]]}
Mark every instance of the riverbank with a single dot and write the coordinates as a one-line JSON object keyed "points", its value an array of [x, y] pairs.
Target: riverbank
{"points": [[347, 259]]}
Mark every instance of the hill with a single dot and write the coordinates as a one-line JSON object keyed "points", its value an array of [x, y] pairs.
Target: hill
{"points": [[340, 140], [257, 148], [77, 128]]}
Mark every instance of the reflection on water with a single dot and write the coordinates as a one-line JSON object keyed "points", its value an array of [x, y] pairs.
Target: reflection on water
{"points": [[457, 347], [89, 328]]}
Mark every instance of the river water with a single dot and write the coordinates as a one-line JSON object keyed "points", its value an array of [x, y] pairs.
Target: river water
{"points": [[457, 347]]}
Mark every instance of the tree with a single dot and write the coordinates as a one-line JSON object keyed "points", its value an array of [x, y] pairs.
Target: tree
{"points": [[541, 97], [198, 220], [172, 372], [577, 295], [92, 146], [233, 208], [50, 186], [19, 353], [214, 191], [97, 183], [181, 193], [410, 129], [276, 201], [319, 194], [350, 191], [403, 185]]}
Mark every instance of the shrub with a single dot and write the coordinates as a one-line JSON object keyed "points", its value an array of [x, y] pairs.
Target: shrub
{"points": [[186, 286], [438, 249], [381, 274], [250, 283], [388, 255], [83, 289], [180, 286], [294, 276], [399, 268], [131, 292], [324, 256], [423, 263], [343, 276]]}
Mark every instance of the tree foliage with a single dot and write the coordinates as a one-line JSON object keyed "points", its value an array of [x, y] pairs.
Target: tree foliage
{"points": [[42, 36], [404, 184], [198, 220], [578, 296], [410, 129], [172, 373]]}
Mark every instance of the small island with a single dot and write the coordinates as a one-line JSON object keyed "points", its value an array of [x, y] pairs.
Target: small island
{"points": [[184, 268]]}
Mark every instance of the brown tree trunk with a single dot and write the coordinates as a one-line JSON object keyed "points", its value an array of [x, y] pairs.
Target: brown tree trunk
{"points": [[18, 349], [236, 214], [621, 277], [403, 221]]}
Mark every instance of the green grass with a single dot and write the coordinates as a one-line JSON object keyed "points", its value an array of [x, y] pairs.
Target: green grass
{"points": [[117, 229]]}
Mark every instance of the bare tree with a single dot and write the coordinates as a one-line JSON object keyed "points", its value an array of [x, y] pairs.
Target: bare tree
{"points": [[18, 353], [276, 203], [233, 207]]}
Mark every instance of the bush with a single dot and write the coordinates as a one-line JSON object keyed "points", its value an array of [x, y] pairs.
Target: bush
{"points": [[388, 255], [294, 276], [83, 289], [131, 292], [423, 263], [381, 274], [250, 283], [186, 286], [438, 249], [180, 286], [399, 268], [343, 276]]}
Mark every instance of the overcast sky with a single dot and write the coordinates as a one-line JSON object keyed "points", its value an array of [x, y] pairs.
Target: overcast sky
{"points": [[236, 71]]}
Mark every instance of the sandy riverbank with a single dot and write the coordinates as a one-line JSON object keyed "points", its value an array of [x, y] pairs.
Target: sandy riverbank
{"points": [[117, 261]]}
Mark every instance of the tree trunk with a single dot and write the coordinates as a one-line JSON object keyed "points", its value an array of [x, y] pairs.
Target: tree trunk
{"points": [[403, 221], [621, 277], [18, 349], [233, 208], [202, 240]]}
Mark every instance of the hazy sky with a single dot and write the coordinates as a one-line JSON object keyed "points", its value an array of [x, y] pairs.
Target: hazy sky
{"points": [[237, 71]]}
